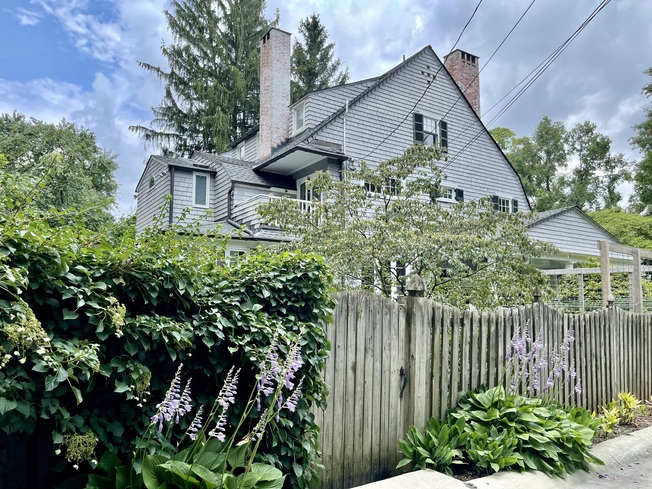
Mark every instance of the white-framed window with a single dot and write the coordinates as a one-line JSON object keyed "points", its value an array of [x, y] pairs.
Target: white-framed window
{"points": [[233, 254], [448, 194], [504, 204], [298, 118], [391, 186], [430, 131], [241, 151], [200, 189]]}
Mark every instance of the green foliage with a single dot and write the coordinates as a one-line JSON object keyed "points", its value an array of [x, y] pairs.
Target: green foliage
{"points": [[630, 228], [542, 162], [628, 407], [57, 167], [569, 289], [609, 418], [509, 431], [436, 448], [464, 252], [211, 86], [313, 66], [89, 330], [641, 200]]}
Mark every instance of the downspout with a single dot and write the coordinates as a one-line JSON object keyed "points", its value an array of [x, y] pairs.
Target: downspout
{"points": [[229, 201], [171, 215]]}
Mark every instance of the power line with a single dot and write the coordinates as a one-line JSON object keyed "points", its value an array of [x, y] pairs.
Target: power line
{"points": [[430, 82], [490, 58], [534, 74]]}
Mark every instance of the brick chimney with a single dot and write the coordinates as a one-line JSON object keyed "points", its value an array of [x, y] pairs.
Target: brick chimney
{"points": [[465, 70], [274, 90]]}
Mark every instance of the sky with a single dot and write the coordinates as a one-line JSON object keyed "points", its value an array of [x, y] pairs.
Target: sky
{"points": [[77, 59]]}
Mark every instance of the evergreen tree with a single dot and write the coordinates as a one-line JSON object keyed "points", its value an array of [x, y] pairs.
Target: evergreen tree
{"points": [[313, 66], [212, 84], [642, 199]]}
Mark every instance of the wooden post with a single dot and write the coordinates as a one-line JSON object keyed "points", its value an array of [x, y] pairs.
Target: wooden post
{"points": [[637, 286], [580, 292], [604, 272]]}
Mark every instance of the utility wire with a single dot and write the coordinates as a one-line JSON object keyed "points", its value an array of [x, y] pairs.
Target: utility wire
{"points": [[490, 58], [531, 78], [430, 82]]}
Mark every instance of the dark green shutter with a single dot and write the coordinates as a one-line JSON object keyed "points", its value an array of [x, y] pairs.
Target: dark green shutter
{"points": [[418, 128], [459, 195], [496, 202], [443, 134], [514, 205]]}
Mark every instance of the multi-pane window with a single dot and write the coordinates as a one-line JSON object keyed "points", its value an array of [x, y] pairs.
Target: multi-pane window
{"points": [[503, 204], [232, 255], [391, 186], [200, 190], [430, 131]]}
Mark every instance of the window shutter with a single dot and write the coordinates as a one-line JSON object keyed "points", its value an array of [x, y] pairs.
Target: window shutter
{"points": [[496, 202], [418, 128], [514, 205], [443, 134], [459, 195]]}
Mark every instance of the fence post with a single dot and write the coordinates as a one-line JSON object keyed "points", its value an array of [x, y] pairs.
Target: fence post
{"points": [[415, 290], [604, 272]]}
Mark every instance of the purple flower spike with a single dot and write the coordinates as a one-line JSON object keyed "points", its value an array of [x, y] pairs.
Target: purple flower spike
{"points": [[196, 424]]}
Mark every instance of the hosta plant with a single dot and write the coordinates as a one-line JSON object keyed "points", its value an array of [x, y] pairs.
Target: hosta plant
{"points": [[438, 447]]}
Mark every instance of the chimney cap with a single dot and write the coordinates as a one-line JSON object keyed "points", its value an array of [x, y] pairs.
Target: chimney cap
{"points": [[274, 29], [461, 51]]}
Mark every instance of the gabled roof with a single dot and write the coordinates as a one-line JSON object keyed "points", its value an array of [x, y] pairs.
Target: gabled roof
{"points": [[544, 216], [242, 171], [175, 162], [311, 132]]}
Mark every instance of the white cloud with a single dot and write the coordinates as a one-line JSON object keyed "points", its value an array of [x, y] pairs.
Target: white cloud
{"points": [[27, 17]]}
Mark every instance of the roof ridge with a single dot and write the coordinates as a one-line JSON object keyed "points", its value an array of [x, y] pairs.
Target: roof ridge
{"points": [[381, 79]]}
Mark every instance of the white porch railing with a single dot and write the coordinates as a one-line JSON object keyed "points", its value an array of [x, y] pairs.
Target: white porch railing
{"points": [[246, 212]]}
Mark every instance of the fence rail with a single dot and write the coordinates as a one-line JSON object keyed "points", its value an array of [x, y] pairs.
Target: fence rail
{"points": [[393, 365]]}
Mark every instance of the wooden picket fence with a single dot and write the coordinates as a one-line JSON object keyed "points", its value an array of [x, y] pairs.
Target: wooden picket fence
{"points": [[392, 366]]}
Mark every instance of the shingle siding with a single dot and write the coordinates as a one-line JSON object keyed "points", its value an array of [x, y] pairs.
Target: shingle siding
{"points": [[321, 104], [570, 232], [183, 198], [481, 169], [150, 200]]}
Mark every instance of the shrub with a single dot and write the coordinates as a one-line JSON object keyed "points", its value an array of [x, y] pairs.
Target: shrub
{"points": [[89, 331]]}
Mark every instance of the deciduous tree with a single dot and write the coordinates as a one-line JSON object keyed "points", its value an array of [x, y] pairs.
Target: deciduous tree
{"points": [[376, 222], [63, 162], [642, 198]]}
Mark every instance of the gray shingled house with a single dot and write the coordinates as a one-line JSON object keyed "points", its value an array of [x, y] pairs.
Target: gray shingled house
{"points": [[418, 101]]}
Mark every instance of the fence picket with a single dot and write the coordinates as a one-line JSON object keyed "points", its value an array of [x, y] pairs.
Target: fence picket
{"points": [[446, 351]]}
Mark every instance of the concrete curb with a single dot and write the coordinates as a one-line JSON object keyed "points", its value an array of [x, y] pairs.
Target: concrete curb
{"points": [[615, 453]]}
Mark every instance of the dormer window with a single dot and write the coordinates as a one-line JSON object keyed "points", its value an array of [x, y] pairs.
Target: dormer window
{"points": [[200, 189], [241, 151], [430, 131], [298, 119]]}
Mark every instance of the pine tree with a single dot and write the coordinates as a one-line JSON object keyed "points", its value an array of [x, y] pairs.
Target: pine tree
{"points": [[211, 88], [313, 66]]}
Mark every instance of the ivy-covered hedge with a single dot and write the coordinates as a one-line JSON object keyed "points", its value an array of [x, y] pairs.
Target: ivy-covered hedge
{"points": [[92, 329]]}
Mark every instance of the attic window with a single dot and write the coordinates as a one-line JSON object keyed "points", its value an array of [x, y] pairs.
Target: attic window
{"points": [[200, 189], [241, 151], [430, 131], [151, 182], [298, 119]]}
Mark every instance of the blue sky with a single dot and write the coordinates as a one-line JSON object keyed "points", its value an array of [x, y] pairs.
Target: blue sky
{"points": [[76, 59]]}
